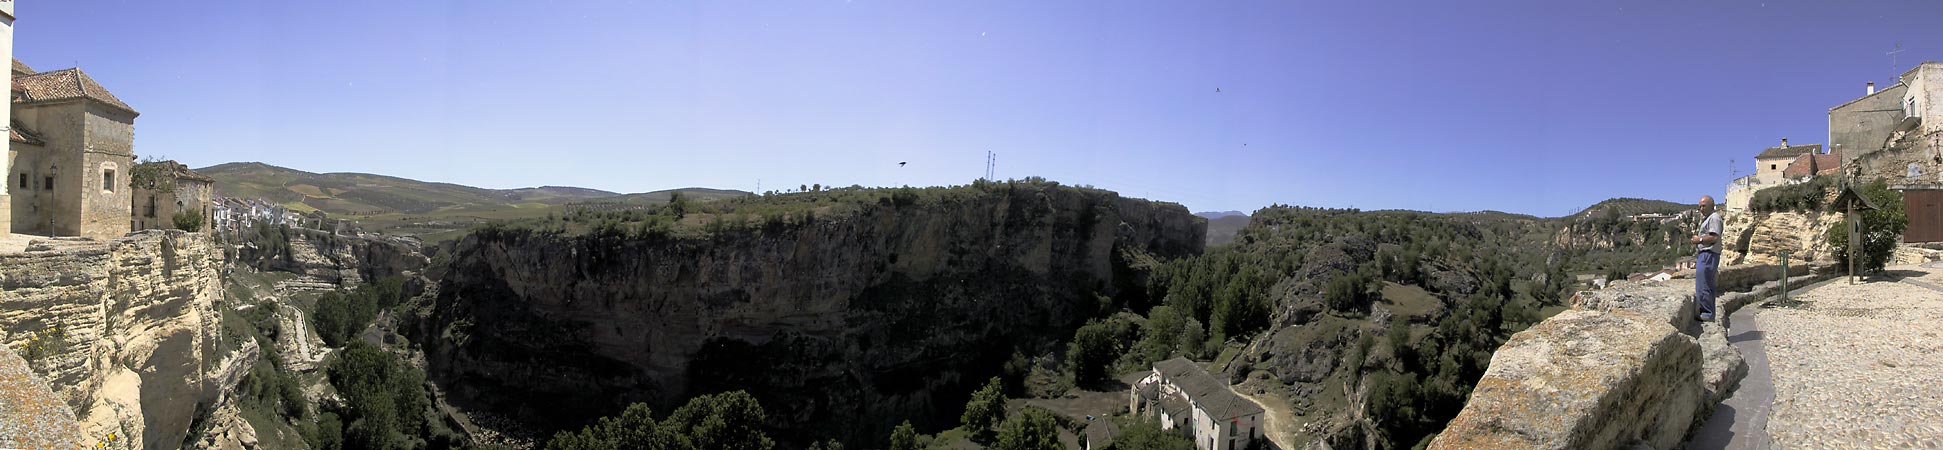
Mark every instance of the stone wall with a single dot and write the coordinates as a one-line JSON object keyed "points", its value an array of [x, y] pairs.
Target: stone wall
{"points": [[139, 332], [1626, 367], [1863, 125]]}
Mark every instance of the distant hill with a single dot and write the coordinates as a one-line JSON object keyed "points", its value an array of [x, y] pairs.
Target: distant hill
{"points": [[1220, 214], [406, 206], [1222, 229], [1624, 206]]}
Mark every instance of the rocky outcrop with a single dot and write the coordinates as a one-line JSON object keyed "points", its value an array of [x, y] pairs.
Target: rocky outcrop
{"points": [[1627, 367], [1758, 238], [31, 416], [338, 259], [135, 326], [841, 326], [1583, 380]]}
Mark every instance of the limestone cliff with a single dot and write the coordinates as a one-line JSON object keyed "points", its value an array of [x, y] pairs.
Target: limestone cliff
{"points": [[133, 327], [841, 326], [343, 260], [1759, 238]]}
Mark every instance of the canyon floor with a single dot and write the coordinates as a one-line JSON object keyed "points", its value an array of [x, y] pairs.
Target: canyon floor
{"points": [[1848, 366]]}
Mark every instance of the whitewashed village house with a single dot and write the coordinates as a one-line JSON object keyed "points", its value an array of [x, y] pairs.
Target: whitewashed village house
{"points": [[1185, 398]]}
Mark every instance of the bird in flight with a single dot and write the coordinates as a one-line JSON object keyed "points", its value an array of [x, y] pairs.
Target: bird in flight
{"points": [[901, 163], [1217, 90]]}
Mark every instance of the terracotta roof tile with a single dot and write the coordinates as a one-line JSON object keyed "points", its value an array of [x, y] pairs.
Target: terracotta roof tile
{"points": [[66, 84], [19, 133], [20, 68]]}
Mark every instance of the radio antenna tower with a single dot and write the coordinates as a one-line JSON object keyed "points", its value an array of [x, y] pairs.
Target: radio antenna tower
{"points": [[1893, 78], [991, 165]]}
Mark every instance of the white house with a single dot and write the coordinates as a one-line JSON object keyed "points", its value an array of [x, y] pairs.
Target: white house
{"points": [[1186, 398]]}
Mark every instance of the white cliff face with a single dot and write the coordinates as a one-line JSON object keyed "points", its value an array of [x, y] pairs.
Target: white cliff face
{"points": [[1768, 234], [139, 332]]}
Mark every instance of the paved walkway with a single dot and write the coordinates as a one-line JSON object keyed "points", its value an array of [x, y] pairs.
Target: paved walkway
{"points": [[1855, 366], [1741, 421]]}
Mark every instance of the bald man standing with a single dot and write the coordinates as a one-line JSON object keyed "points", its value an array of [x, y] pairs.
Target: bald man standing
{"points": [[1706, 259]]}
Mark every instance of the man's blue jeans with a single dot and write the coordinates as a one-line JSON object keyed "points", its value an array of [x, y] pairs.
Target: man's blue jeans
{"points": [[1706, 267]]}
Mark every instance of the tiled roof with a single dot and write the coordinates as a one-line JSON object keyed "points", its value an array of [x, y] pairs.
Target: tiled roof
{"points": [[1808, 164], [1100, 433], [1205, 391], [19, 133], [66, 84], [20, 68], [1789, 151]]}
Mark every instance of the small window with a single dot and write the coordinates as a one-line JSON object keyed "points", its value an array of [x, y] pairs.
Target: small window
{"points": [[23, 180], [108, 180], [1773, 166], [49, 180]]}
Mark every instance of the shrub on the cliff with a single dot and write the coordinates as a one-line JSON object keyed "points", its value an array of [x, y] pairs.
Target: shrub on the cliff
{"points": [[188, 221], [1350, 292], [904, 437], [1882, 229], [1032, 429], [1794, 197], [985, 410]]}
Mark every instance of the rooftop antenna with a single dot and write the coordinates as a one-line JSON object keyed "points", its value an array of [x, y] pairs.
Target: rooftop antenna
{"points": [[1892, 61]]}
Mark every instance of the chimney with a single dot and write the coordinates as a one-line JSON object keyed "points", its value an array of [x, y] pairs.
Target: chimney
{"points": [[1872, 88], [1784, 142]]}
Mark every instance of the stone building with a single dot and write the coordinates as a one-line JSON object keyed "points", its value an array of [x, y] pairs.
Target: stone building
{"points": [[1186, 399], [1777, 166], [163, 189], [71, 143], [1896, 134]]}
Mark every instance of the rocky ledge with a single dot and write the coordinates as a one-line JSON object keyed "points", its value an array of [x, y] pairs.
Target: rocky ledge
{"points": [[1627, 367]]}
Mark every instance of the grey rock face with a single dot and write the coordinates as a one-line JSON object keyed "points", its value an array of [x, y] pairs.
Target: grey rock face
{"points": [[840, 327]]}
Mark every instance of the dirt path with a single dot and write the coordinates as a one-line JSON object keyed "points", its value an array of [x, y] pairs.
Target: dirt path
{"points": [[1280, 424]]}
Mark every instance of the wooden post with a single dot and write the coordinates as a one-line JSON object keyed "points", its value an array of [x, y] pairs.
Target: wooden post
{"points": [[1854, 250]]}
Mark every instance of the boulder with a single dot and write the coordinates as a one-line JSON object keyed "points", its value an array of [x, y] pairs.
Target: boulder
{"points": [[31, 416], [1584, 380]]}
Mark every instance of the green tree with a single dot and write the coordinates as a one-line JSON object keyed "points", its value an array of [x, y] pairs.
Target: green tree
{"points": [[727, 421], [1349, 291], [1164, 328], [1033, 429], [1882, 229], [634, 428], [904, 437], [677, 205], [1147, 435], [985, 410], [1092, 351]]}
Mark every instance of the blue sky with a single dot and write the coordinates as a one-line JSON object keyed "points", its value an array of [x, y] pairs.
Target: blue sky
{"points": [[1539, 107]]}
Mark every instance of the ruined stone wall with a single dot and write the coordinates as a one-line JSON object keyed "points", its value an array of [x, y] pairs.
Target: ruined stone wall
{"points": [[137, 325], [1626, 367]]}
